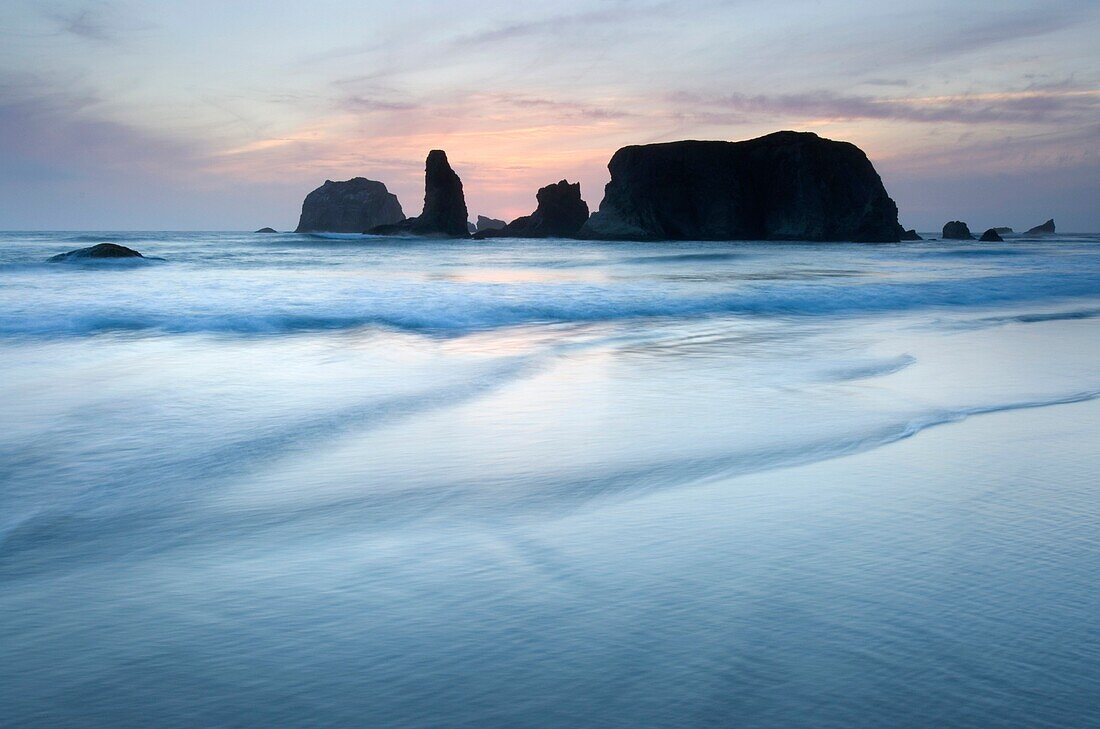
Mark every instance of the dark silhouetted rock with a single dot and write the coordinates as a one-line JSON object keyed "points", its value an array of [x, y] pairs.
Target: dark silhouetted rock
{"points": [[956, 230], [785, 186], [560, 214], [267, 230], [470, 228], [1003, 231], [444, 204], [1046, 228], [101, 251], [484, 223], [910, 234], [991, 236], [349, 207]]}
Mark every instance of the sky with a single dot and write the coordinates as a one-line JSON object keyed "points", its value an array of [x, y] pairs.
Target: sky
{"points": [[214, 115]]}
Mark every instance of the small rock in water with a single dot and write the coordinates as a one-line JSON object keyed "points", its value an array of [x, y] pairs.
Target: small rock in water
{"points": [[267, 230], [484, 223], [1046, 228], [103, 250], [991, 236], [957, 230], [911, 234]]}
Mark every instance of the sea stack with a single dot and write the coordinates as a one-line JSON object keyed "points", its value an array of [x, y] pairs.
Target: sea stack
{"points": [[785, 186], [350, 206], [560, 214], [956, 230], [1046, 228], [991, 236], [444, 204]]}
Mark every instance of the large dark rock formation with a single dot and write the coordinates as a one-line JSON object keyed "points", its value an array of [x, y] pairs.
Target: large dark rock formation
{"points": [[956, 230], [96, 252], [560, 214], [1046, 228], [785, 186], [484, 223], [444, 204], [911, 234], [991, 236], [349, 207]]}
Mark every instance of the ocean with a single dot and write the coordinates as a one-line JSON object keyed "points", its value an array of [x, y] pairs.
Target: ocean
{"points": [[289, 480]]}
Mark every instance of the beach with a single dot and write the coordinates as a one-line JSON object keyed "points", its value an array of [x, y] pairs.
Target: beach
{"points": [[359, 481]]}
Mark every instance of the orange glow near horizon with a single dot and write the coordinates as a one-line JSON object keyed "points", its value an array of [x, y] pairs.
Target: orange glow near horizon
{"points": [[505, 148]]}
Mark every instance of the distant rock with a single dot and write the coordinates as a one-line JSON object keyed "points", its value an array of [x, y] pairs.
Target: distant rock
{"points": [[991, 236], [1046, 228], [470, 228], [444, 204], [560, 214], [785, 186], [101, 251], [267, 230], [956, 230], [1003, 230], [911, 234], [484, 223], [351, 206]]}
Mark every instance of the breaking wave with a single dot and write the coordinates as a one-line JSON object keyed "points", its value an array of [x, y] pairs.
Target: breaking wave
{"points": [[450, 308]]}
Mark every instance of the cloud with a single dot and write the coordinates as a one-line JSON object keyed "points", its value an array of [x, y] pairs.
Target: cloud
{"points": [[562, 109], [1029, 106], [885, 82], [340, 53], [56, 130], [554, 25], [1017, 180], [356, 103], [565, 25], [928, 41], [1005, 27], [100, 22], [62, 167], [1007, 153]]}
